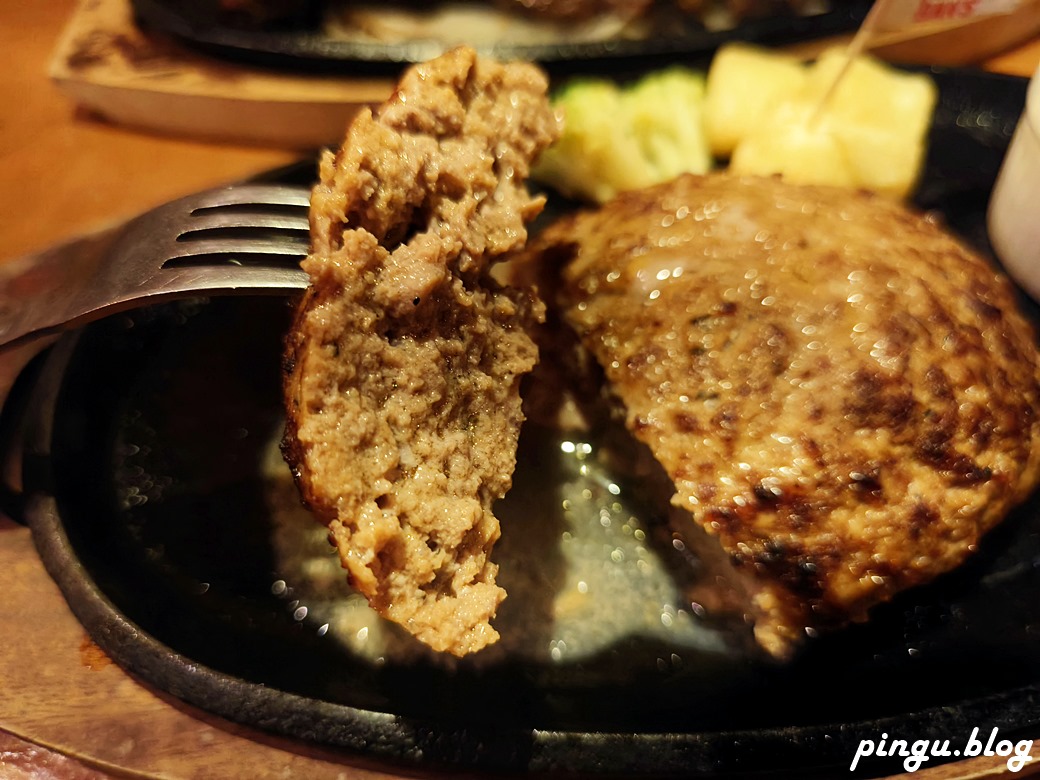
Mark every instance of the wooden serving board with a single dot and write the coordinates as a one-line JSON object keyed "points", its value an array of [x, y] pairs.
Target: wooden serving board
{"points": [[67, 711], [150, 82]]}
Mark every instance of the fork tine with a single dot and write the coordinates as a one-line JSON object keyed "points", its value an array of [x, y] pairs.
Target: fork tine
{"points": [[253, 218], [287, 246], [238, 239], [209, 278], [241, 194]]}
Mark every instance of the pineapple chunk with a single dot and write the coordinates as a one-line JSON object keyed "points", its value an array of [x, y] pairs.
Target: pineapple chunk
{"points": [[745, 84], [871, 132], [872, 93], [793, 144], [879, 159], [879, 115]]}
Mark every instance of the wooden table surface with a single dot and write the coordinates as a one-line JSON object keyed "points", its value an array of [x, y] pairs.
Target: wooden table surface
{"points": [[65, 710]]}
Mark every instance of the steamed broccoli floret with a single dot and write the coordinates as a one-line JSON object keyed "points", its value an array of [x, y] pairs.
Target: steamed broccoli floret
{"points": [[666, 116], [617, 139], [597, 155]]}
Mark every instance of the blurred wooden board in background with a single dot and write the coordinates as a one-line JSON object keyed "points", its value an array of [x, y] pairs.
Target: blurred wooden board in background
{"points": [[149, 81]]}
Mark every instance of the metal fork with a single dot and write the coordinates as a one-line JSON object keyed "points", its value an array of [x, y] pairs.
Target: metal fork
{"points": [[240, 239]]}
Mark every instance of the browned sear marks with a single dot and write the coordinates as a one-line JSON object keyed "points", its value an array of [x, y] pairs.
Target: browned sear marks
{"points": [[840, 391]]}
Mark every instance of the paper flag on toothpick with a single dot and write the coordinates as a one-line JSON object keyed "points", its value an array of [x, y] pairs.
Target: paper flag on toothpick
{"points": [[887, 16]]}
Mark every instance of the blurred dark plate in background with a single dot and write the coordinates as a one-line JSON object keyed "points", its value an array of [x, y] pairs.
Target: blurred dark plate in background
{"points": [[312, 39]]}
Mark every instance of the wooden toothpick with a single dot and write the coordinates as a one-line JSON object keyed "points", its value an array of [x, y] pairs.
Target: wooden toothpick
{"points": [[856, 46]]}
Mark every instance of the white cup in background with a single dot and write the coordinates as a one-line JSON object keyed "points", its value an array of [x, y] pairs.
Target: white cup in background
{"points": [[1014, 208]]}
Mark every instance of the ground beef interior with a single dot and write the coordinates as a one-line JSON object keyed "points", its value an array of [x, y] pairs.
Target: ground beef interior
{"points": [[405, 358]]}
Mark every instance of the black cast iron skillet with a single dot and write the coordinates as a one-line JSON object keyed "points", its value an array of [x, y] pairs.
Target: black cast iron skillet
{"points": [[144, 488]]}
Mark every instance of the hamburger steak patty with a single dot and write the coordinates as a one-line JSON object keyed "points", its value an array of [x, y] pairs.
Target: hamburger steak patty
{"points": [[404, 359], [841, 393]]}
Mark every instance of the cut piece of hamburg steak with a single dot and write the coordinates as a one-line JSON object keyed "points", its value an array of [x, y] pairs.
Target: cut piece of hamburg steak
{"points": [[405, 358]]}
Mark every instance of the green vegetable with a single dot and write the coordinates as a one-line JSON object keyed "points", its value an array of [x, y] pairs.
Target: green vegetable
{"points": [[621, 138]]}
